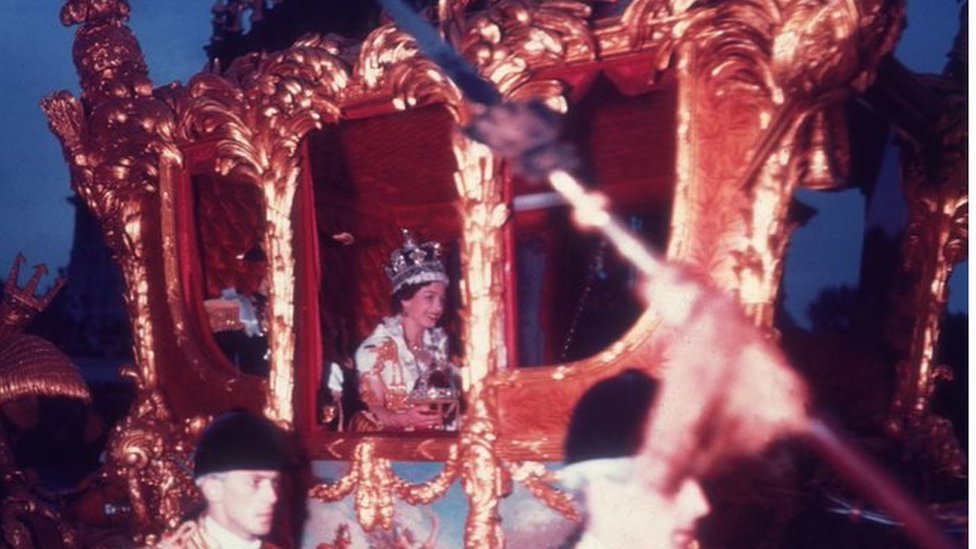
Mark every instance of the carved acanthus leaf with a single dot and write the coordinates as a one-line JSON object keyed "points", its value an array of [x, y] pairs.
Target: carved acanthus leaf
{"points": [[262, 107], [654, 21], [150, 453], [824, 47], [391, 62], [507, 42], [384, 48], [214, 109], [735, 41], [66, 117]]}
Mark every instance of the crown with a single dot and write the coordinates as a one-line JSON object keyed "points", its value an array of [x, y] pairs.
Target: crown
{"points": [[415, 263], [20, 305]]}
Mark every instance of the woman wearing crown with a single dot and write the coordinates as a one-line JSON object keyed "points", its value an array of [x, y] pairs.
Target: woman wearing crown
{"points": [[400, 360]]}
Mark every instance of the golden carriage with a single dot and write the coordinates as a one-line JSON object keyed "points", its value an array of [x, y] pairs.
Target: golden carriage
{"points": [[698, 120]]}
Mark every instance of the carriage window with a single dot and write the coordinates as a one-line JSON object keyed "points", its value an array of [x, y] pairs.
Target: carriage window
{"points": [[390, 361], [575, 295], [230, 226]]}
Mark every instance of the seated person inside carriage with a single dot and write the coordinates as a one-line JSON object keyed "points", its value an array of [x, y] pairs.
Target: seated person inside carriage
{"points": [[405, 377]]}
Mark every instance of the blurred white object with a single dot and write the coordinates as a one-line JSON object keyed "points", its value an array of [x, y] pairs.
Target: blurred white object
{"points": [[623, 512]]}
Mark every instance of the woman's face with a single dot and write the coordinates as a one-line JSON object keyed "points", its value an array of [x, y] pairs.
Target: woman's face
{"points": [[426, 306]]}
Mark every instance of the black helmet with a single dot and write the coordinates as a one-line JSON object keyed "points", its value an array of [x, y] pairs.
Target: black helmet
{"points": [[241, 441]]}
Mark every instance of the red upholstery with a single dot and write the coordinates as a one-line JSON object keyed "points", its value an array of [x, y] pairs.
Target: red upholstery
{"points": [[230, 221]]}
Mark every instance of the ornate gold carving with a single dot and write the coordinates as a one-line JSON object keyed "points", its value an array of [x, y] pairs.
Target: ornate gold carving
{"points": [[375, 484], [506, 43], [761, 70], [259, 114], [29, 367], [516, 37], [110, 171], [937, 189], [390, 62], [150, 452], [113, 145], [24, 512], [114, 140], [651, 24], [483, 212], [482, 473], [723, 70], [483, 477]]}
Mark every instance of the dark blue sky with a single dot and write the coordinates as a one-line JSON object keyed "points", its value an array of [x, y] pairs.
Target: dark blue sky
{"points": [[35, 56]]}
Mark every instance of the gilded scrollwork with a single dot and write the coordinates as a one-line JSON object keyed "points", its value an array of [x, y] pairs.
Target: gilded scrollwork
{"points": [[505, 43], [374, 484], [483, 213], [936, 187], [113, 139], [768, 71], [653, 25], [390, 62], [483, 474], [427, 492], [150, 452], [30, 367], [514, 38]]}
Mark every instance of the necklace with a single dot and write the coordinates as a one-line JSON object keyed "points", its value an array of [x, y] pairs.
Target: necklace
{"points": [[415, 347]]}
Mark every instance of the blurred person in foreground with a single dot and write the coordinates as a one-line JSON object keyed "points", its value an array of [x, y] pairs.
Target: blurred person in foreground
{"points": [[606, 430], [726, 392], [237, 466]]}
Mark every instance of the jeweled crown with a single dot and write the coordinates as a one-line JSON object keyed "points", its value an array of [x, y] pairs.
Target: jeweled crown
{"points": [[415, 263]]}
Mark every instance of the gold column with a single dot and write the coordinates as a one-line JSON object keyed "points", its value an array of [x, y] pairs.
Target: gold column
{"points": [[935, 181]]}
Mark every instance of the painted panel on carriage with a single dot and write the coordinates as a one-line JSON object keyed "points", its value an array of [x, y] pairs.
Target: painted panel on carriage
{"points": [[526, 521]]}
